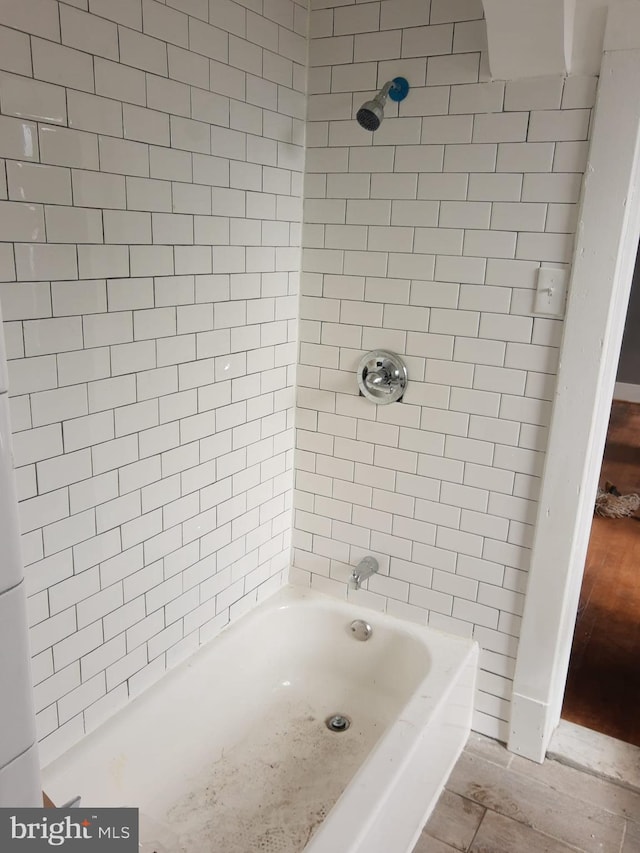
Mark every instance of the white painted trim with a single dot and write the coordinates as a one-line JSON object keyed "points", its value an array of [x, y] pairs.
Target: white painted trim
{"points": [[627, 392], [606, 245]]}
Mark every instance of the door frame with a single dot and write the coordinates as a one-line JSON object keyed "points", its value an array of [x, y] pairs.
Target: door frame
{"points": [[602, 270]]}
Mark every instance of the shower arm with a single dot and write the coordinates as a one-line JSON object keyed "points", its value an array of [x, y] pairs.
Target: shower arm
{"points": [[384, 92]]}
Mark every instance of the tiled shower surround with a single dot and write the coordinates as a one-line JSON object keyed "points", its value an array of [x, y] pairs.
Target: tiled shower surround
{"points": [[152, 194], [151, 220], [425, 238]]}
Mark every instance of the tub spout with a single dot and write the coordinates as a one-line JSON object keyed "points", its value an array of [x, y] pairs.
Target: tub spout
{"points": [[366, 567]]}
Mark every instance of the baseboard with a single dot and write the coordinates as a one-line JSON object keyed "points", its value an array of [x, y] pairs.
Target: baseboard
{"points": [[529, 723], [626, 392]]}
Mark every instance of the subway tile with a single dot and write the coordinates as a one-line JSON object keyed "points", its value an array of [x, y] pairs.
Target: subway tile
{"points": [[83, 366], [62, 147], [73, 225], [41, 262], [52, 630], [94, 113], [63, 470], [439, 187], [32, 375], [427, 41], [455, 10], [464, 214], [454, 68], [579, 92], [470, 270], [470, 36], [190, 135], [495, 187], [87, 431], [558, 125], [95, 189], [552, 187], [477, 157], [34, 182], [37, 17], [525, 157], [19, 139], [168, 164], [127, 12], [477, 98], [145, 125], [148, 194], [501, 127], [103, 261], [168, 96], [495, 244], [53, 406], [525, 216], [538, 93], [32, 99], [127, 227], [78, 297], [88, 32], [142, 51], [15, 52], [447, 129], [399, 253], [188, 67], [22, 222], [55, 63], [119, 82], [52, 335], [74, 647], [165, 23], [124, 157], [546, 247], [213, 42]]}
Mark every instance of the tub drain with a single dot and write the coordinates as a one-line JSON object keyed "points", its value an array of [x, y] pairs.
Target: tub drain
{"points": [[338, 723]]}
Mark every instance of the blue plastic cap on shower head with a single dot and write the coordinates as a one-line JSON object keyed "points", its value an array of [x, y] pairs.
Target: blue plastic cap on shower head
{"points": [[400, 89]]}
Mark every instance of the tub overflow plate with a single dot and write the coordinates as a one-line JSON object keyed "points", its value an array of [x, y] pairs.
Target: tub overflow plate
{"points": [[360, 629], [338, 723]]}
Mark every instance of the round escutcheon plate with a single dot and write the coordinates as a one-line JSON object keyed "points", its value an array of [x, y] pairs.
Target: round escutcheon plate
{"points": [[382, 377]]}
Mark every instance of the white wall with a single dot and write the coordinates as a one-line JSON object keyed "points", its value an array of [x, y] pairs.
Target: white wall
{"points": [[426, 238], [150, 215]]}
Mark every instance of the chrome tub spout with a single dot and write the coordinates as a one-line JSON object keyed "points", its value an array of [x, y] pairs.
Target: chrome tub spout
{"points": [[366, 567]]}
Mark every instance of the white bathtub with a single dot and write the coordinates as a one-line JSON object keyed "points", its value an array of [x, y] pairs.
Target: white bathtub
{"points": [[230, 753]]}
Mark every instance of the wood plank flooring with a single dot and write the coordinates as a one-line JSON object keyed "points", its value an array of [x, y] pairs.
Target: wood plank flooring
{"points": [[603, 687], [497, 802]]}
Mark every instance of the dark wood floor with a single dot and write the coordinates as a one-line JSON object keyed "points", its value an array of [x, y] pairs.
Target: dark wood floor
{"points": [[603, 688]]}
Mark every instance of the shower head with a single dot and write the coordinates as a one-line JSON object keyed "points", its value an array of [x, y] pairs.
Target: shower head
{"points": [[371, 113]]}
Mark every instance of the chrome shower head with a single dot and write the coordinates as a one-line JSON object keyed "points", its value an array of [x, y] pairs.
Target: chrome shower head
{"points": [[371, 113]]}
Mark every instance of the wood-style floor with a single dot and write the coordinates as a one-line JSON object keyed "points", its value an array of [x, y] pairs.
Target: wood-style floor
{"points": [[497, 802], [603, 688]]}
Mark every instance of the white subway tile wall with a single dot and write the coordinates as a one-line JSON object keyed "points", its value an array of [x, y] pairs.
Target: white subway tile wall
{"points": [[150, 183], [425, 238]]}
